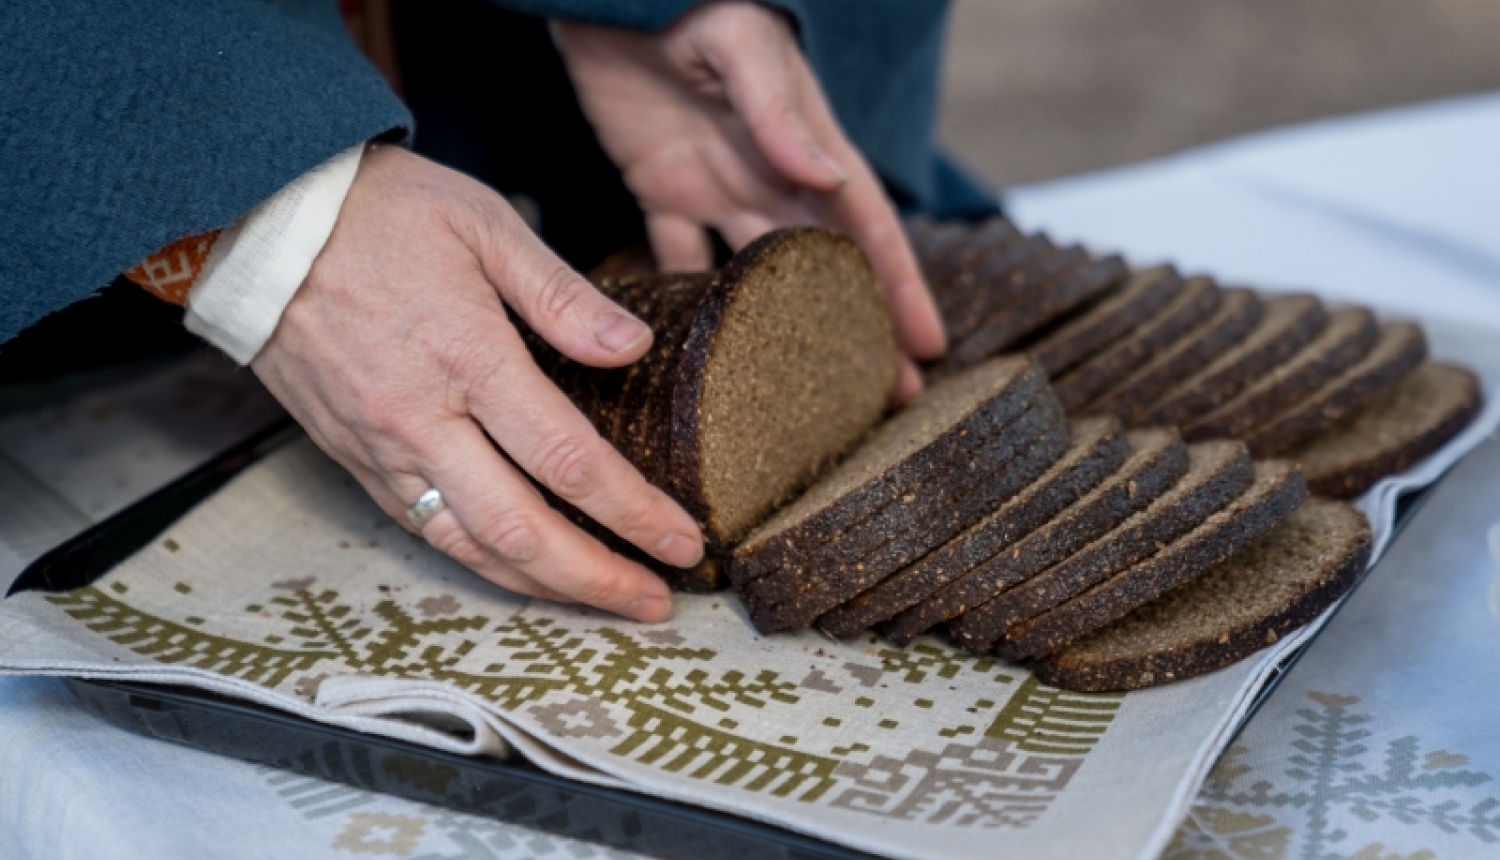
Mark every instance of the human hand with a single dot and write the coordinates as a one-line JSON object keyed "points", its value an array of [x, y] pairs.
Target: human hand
{"points": [[397, 357], [719, 122]]}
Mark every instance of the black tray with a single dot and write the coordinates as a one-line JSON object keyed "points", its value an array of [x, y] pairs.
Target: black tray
{"points": [[511, 790]]}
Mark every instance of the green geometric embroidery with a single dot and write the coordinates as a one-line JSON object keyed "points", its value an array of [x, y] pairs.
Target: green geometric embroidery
{"points": [[671, 743], [917, 662], [1046, 720], [166, 642]]}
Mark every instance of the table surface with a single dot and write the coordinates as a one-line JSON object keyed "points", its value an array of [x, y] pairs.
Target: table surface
{"points": [[1377, 745]]}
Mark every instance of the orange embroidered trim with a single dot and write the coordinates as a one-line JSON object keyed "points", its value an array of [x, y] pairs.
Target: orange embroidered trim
{"points": [[172, 271]]}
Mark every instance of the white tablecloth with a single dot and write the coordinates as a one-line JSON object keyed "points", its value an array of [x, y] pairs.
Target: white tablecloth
{"points": [[1376, 746]]}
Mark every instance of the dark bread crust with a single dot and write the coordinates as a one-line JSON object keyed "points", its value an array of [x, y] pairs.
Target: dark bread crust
{"points": [[687, 468], [1060, 294], [1020, 384], [1005, 279], [1290, 322], [929, 241], [1200, 494], [1116, 313], [1348, 337], [1391, 433], [1158, 460], [980, 243], [1401, 350], [622, 267], [643, 421], [804, 588], [1199, 300], [1128, 399], [1134, 653], [1277, 491], [1097, 450]]}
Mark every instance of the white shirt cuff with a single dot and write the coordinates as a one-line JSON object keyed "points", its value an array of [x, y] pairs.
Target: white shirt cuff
{"points": [[258, 263]]}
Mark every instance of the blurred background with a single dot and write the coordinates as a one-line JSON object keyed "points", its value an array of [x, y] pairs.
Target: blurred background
{"points": [[1037, 89]]}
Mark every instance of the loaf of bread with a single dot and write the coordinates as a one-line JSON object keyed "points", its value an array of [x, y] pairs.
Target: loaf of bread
{"points": [[1018, 515]]}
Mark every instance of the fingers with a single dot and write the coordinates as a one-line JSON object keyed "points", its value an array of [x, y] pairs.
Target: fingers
{"points": [[862, 210], [908, 381], [552, 441], [503, 517], [445, 530], [566, 310], [679, 244], [763, 89]]}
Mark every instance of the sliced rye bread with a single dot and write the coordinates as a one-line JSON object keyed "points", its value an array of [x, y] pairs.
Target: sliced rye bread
{"points": [[1239, 606], [764, 397], [930, 241], [1110, 317], [838, 580], [1157, 461], [806, 587], [1349, 335], [1009, 278], [1129, 398], [940, 427], [1277, 491], [983, 241], [1097, 450], [927, 507], [1390, 433], [622, 267], [1289, 323], [1058, 296], [1198, 300], [1401, 350], [1221, 472]]}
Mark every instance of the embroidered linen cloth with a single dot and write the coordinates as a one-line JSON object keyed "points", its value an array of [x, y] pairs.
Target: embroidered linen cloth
{"points": [[292, 589]]}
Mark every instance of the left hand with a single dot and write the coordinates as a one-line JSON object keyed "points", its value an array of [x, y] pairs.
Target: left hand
{"points": [[719, 122]]}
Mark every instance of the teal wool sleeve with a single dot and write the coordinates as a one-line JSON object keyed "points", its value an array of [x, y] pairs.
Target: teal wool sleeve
{"points": [[130, 124]]}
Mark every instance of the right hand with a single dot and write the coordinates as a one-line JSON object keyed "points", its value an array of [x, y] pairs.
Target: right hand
{"points": [[397, 357]]}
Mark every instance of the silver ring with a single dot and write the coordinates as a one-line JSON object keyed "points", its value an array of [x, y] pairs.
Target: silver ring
{"points": [[427, 506]]}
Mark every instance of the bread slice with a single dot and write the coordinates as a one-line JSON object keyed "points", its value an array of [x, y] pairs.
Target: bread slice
{"points": [[940, 427], [1158, 461], [1021, 283], [1197, 302], [967, 300], [1128, 399], [1240, 605], [1289, 323], [764, 397], [1059, 294], [1401, 349], [1097, 450], [945, 495], [1117, 312], [804, 588], [929, 241], [1221, 472], [1349, 335], [978, 244], [622, 267], [1386, 436], [1277, 491]]}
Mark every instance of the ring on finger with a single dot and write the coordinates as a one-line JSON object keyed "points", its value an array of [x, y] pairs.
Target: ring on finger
{"points": [[427, 506]]}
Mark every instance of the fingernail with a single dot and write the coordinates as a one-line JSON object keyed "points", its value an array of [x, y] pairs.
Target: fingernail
{"points": [[618, 332], [650, 609], [834, 170], [679, 550]]}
